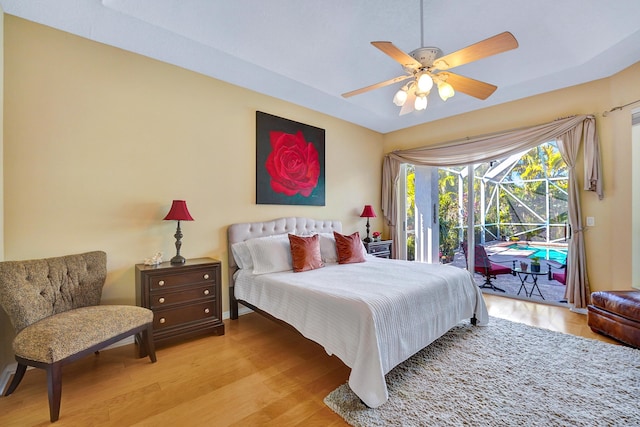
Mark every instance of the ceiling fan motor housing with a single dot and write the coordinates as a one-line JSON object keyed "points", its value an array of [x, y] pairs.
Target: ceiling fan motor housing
{"points": [[426, 55]]}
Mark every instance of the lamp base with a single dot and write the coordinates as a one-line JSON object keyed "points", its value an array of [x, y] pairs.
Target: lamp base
{"points": [[178, 259], [367, 239]]}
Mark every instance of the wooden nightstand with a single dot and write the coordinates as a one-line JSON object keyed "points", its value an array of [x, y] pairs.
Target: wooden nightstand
{"points": [[381, 249], [186, 299]]}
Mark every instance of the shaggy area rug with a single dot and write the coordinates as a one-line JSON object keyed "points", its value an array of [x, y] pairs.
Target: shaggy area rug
{"points": [[506, 374]]}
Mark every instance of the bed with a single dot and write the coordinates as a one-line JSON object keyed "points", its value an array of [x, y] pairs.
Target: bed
{"points": [[372, 315]]}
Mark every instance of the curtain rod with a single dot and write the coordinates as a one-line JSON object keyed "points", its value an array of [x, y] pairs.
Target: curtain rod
{"points": [[606, 113]]}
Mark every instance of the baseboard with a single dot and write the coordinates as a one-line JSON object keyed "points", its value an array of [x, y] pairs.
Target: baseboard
{"points": [[127, 340], [6, 376]]}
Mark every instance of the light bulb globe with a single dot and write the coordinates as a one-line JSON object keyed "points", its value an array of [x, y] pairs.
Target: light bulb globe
{"points": [[425, 83], [445, 90], [420, 103], [400, 98]]}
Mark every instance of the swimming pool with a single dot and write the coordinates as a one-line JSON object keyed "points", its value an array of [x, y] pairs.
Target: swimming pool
{"points": [[552, 253]]}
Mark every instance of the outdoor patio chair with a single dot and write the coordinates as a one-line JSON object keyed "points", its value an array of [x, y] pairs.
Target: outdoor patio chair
{"points": [[560, 275], [485, 267]]}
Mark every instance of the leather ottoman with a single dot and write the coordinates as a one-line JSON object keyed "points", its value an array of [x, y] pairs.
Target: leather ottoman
{"points": [[616, 314]]}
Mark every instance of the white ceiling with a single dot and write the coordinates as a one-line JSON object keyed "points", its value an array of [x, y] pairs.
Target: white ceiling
{"points": [[310, 52]]}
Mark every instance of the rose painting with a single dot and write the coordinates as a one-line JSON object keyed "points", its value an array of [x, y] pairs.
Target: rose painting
{"points": [[289, 162]]}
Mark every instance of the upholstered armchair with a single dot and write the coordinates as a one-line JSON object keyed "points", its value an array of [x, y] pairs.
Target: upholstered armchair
{"points": [[53, 305]]}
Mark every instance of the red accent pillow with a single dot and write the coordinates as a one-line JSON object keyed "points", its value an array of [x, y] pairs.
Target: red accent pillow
{"points": [[349, 248], [305, 253]]}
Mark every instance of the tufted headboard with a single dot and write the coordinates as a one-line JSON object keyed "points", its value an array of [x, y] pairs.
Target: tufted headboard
{"points": [[249, 230]]}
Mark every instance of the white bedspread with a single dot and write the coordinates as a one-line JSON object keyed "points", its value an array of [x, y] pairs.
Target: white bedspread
{"points": [[372, 315]]}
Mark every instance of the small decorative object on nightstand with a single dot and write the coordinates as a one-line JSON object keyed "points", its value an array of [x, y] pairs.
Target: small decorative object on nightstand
{"points": [[186, 299], [368, 212], [381, 249]]}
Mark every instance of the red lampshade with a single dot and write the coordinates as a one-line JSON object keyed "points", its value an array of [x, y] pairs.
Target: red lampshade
{"points": [[368, 212], [179, 211]]}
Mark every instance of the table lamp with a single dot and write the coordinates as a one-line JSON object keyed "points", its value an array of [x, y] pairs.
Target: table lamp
{"points": [[178, 212], [368, 212]]}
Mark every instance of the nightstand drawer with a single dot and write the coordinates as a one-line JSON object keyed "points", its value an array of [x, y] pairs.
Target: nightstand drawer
{"points": [[164, 298], [374, 250], [186, 299], [381, 248], [181, 315], [169, 280]]}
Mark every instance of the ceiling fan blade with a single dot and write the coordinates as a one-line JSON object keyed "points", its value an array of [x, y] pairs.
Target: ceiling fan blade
{"points": [[375, 86], [475, 88], [408, 105], [397, 55], [491, 46]]}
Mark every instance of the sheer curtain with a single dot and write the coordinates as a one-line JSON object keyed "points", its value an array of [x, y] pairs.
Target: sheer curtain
{"points": [[569, 131]]}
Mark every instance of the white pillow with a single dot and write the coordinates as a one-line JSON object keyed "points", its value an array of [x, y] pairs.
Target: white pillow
{"points": [[328, 247], [241, 254], [270, 254]]}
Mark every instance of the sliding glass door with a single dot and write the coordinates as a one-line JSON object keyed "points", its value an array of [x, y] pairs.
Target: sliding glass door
{"points": [[520, 197]]}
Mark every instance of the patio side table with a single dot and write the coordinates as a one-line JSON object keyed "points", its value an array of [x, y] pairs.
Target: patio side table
{"points": [[526, 277]]}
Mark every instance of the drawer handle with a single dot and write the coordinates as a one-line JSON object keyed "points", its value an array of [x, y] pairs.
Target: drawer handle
{"points": [[206, 310], [161, 283], [206, 276], [206, 292], [161, 300], [162, 320]]}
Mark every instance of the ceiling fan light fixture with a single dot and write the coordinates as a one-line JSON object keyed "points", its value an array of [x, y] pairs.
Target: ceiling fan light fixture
{"points": [[425, 82], [420, 67], [445, 90], [400, 97], [420, 102]]}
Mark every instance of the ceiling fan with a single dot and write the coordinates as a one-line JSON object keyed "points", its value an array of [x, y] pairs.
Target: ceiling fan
{"points": [[427, 66]]}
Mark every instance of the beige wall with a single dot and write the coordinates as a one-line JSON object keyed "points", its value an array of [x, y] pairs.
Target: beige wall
{"points": [[608, 244], [6, 331], [99, 141]]}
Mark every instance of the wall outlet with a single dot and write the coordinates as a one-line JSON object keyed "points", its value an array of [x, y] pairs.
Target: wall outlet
{"points": [[591, 221]]}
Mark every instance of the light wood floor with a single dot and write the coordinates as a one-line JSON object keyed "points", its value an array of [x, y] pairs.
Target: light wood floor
{"points": [[258, 373]]}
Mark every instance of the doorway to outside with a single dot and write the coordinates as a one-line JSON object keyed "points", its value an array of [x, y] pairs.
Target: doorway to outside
{"points": [[520, 213]]}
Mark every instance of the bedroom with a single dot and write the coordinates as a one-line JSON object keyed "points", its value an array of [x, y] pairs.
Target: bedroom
{"points": [[98, 141]]}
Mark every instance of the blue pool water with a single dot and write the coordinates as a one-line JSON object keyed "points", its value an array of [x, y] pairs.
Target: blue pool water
{"points": [[558, 255]]}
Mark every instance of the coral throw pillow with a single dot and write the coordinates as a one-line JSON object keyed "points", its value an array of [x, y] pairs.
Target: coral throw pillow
{"points": [[349, 248], [305, 253]]}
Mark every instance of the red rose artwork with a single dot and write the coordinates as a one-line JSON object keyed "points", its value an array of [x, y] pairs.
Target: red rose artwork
{"points": [[289, 162], [293, 164]]}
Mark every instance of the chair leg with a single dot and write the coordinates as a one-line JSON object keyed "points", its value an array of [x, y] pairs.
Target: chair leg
{"points": [[17, 377], [147, 338], [489, 284], [54, 387]]}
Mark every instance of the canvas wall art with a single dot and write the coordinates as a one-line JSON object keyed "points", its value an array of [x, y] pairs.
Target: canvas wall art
{"points": [[290, 162]]}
